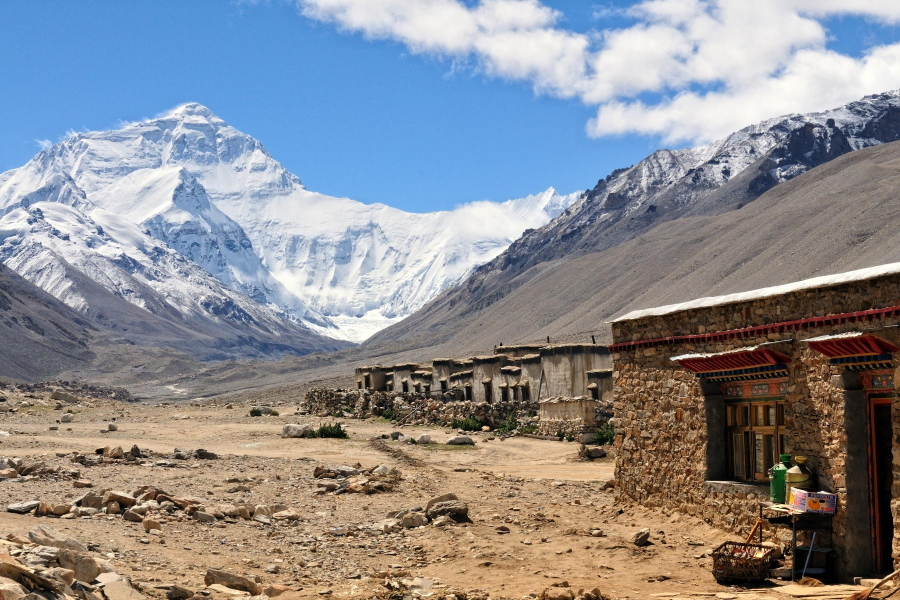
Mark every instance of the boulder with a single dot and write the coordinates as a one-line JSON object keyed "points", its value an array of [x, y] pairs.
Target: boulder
{"points": [[67, 576], [204, 517], [230, 580], [122, 498], [120, 590], [10, 590], [423, 439], [150, 524], [455, 509], [47, 536], [82, 483], [130, 515], [293, 430], [596, 452], [67, 418], [413, 519], [641, 538], [112, 427], [85, 566], [558, 593], [461, 440], [204, 454]]}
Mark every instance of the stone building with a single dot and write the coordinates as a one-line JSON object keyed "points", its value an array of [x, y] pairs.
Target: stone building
{"points": [[565, 368], [709, 392], [421, 381], [402, 377], [373, 378], [463, 380], [521, 377], [487, 377]]}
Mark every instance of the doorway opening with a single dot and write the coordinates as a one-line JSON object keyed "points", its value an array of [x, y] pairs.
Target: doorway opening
{"points": [[881, 459]]}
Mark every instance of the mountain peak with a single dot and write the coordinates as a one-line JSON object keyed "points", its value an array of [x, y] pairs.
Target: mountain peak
{"points": [[191, 109]]}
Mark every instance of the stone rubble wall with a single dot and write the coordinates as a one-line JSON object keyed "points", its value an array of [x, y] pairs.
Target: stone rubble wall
{"points": [[436, 408]]}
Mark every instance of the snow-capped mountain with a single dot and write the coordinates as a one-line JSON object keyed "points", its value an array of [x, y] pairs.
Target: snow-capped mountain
{"points": [[213, 195]]}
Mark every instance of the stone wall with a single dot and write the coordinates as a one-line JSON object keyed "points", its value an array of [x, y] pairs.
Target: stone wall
{"points": [[435, 409], [577, 417], [669, 422]]}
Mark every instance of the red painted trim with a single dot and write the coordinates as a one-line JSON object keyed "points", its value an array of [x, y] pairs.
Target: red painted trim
{"points": [[856, 346], [784, 326], [732, 361]]}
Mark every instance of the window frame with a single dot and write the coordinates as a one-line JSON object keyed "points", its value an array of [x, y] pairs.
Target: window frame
{"points": [[742, 416]]}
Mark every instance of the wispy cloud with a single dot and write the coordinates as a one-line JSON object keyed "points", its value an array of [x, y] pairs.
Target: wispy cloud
{"points": [[44, 144], [712, 66]]}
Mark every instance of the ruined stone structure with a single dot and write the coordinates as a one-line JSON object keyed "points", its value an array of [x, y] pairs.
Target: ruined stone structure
{"points": [[708, 393]]}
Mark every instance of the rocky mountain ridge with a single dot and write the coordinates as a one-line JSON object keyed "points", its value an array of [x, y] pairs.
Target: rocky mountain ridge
{"points": [[667, 186]]}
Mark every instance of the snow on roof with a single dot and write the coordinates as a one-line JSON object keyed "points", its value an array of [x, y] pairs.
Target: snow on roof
{"points": [[712, 354], [838, 336], [727, 352], [805, 284]]}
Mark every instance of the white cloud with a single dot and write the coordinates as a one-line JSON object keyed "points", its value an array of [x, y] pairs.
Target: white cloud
{"points": [[713, 66], [44, 144]]}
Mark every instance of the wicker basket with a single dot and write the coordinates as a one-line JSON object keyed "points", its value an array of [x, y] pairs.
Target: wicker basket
{"points": [[737, 561]]}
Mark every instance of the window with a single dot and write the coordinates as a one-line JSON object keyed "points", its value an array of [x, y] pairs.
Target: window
{"points": [[488, 392], [368, 383], [595, 393], [524, 393], [443, 386], [468, 392], [426, 388], [504, 394], [359, 385], [405, 387], [756, 435]]}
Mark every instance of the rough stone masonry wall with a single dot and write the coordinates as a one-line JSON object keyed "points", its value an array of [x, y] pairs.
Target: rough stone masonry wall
{"points": [[438, 409]]}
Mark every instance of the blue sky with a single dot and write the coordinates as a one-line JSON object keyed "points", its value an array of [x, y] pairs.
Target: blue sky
{"points": [[414, 124]]}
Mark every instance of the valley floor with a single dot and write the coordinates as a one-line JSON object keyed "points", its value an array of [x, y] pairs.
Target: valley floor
{"points": [[561, 523]]}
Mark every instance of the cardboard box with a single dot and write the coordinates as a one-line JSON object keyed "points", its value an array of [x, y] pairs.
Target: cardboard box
{"points": [[813, 502]]}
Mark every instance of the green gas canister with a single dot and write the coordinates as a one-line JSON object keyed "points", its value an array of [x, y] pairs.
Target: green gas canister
{"points": [[776, 479]]}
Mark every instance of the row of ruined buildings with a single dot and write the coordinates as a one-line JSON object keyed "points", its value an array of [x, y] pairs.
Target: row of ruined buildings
{"points": [[707, 394], [571, 383]]}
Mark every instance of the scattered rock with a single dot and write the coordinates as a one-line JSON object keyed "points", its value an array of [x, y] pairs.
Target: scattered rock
{"points": [[293, 430], [413, 519], [641, 538], [461, 440], [47, 536], [230, 580], [85, 566], [595, 452]]}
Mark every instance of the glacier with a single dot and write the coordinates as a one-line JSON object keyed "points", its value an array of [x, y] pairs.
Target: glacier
{"points": [[188, 183]]}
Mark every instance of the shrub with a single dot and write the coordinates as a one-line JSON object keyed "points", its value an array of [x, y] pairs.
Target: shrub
{"points": [[255, 412], [388, 413], [570, 437], [511, 423], [331, 430], [530, 428], [274, 413], [467, 424], [604, 435]]}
